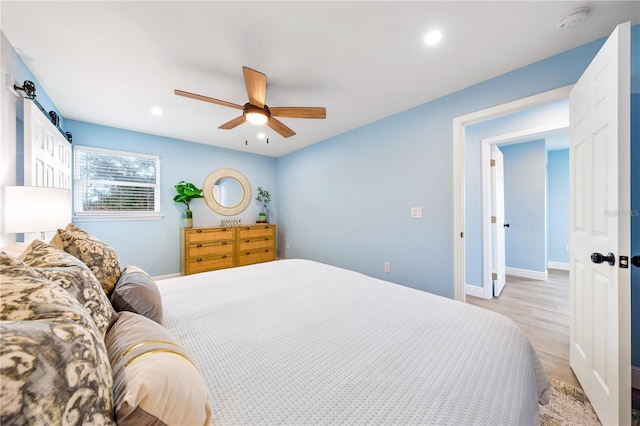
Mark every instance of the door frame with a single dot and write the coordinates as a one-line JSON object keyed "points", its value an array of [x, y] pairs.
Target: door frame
{"points": [[459, 124], [487, 143]]}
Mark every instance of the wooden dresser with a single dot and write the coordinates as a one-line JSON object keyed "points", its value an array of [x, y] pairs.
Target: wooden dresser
{"points": [[206, 249]]}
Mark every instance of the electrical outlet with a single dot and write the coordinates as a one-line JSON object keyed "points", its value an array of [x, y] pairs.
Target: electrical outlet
{"points": [[387, 266], [416, 212], [287, 245]]}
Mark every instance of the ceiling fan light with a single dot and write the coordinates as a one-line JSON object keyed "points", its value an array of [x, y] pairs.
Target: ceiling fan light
{"points": [[256, 118]]}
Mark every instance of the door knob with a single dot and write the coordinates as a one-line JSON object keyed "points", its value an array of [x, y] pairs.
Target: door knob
{"points": [[635, 261], [506, 225], [599, 258]]}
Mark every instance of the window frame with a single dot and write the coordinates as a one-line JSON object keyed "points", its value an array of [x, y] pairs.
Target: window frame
{"points": [[83, 216]]}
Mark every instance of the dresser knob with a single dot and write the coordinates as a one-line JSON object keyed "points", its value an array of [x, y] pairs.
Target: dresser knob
{"points": [[247, 240], [199, 231], [224, 243], [199, 245], [199, 259], [224, 256]]}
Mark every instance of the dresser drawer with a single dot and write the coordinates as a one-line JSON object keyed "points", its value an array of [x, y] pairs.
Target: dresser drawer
{"points": [[256, 243], [209, 249], [202, 264], [197, 235], [247, 257], [245, 232]]}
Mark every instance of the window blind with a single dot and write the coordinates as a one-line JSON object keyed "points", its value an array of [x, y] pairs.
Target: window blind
{"points": [[115, 182]]}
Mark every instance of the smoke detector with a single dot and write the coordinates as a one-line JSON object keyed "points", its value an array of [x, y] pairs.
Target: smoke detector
{"points": [[573, 19]]}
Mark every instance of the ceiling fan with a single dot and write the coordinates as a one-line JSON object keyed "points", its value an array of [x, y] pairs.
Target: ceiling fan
{"points": [[255, 111]]}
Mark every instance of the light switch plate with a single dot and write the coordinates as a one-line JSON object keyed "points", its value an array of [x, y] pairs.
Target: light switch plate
{"points": [[416, 212]]}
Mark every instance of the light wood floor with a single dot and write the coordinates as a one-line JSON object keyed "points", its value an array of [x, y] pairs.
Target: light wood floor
{"points": [[541, 309]]}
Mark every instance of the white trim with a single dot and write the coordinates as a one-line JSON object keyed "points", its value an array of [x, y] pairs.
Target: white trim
{"points": [[635, 377], [527, 273], [166, 277], [476, 291], [458, 170], [563, 266], [88, 217]]}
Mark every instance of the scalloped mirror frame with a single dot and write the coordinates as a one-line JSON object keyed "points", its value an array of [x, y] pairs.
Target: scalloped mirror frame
{"points": [[207, 190]]}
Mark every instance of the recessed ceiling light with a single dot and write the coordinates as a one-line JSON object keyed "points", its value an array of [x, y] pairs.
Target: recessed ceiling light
{"points": [[433, 38], [261, 136], [156, 111]]}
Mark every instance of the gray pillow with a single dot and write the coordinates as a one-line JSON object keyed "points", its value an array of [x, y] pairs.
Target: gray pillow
{"points": [[136, 292]]}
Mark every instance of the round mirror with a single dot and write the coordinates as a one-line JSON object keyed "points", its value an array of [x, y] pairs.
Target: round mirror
{"points": [[227, 192]]}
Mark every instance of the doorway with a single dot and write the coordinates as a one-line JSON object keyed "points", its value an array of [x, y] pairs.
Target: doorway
{"points": [[537, 220], [509, 131], [535, 298]]}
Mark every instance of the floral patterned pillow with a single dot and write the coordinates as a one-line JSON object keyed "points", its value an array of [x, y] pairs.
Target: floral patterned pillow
{"points": [[100, 257], [55, 368], [74, 276]]}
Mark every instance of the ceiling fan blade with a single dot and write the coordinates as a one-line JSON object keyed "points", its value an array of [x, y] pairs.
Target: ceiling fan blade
{"points": [[299, 112], [233, 123], [279, 127], [256, 83], [206, 99]]}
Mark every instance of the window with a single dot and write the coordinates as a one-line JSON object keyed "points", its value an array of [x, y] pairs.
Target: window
{"points": [[115, 185]]}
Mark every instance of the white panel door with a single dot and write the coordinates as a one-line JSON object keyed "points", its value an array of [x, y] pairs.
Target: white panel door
{"points": [[497, 225], [47, 154], [600, 339]]}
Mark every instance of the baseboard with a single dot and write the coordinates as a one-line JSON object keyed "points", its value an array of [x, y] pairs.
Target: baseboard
{"points": [[635, 377], [165, 277], [474, 290], [563, 266], [526, 273]]}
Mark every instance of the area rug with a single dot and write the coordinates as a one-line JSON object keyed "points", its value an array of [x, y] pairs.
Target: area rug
{"points": [[570, 406]]}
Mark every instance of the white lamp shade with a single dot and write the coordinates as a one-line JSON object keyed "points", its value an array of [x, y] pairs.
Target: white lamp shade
{"points": [[36, 208]]}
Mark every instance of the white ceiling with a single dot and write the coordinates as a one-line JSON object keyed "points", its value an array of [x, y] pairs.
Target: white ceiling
{"points": [[110, 62]]}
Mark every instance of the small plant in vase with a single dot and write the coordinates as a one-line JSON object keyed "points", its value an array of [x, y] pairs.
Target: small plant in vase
{"points": [[264, 198], [186, 192]]}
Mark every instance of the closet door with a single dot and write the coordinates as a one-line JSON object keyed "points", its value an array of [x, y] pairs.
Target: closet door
{"points": [[47, 154]]}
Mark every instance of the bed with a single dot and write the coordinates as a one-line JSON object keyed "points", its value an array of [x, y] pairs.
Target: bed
{"points": [[300, 342], [85, 340]]}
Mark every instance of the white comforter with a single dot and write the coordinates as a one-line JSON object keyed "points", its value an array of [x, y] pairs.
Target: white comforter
{"points": [[298, 342]]}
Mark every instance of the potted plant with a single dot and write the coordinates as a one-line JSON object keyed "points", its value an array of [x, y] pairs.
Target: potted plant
{"points": [[264, 198], [186, 192]]}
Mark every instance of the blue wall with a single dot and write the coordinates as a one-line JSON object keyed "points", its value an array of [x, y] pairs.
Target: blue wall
{"points": [[558, 205], [525, 205], [154, 245]]}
